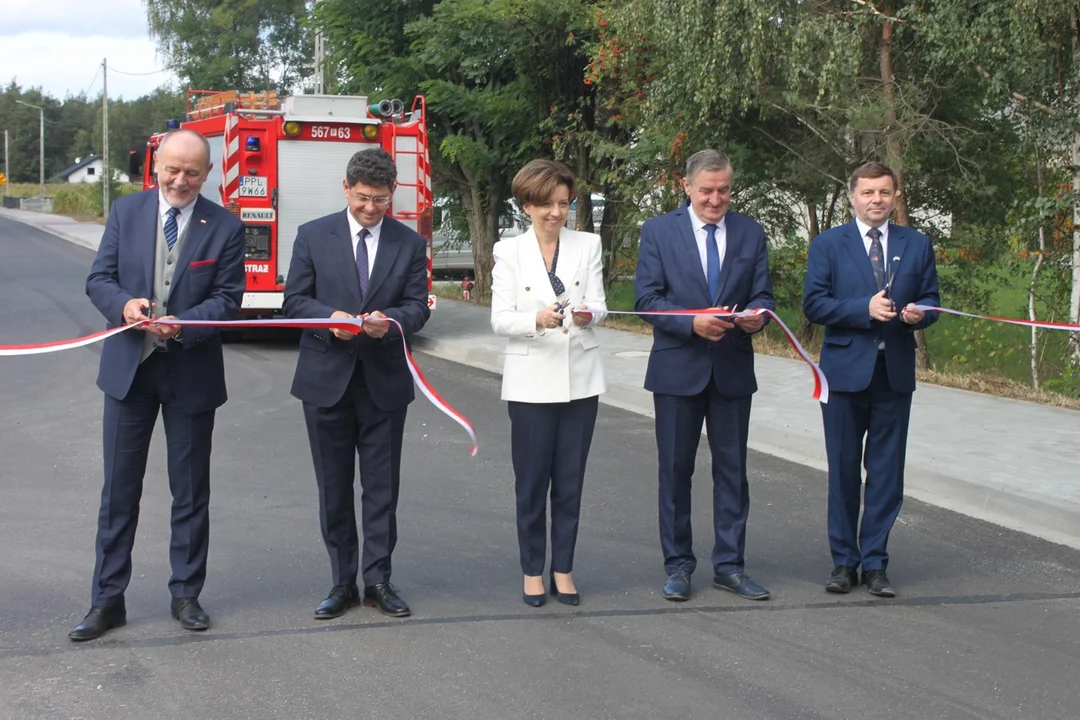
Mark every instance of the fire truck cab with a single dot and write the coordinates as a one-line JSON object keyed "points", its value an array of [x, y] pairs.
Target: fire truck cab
{"points": [[280, 162]]}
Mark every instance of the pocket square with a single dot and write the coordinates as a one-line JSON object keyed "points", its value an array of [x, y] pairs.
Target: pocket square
{"points": [[202, 263]]}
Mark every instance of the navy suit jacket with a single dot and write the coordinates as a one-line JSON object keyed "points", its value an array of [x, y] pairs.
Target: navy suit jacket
{"points": [[670, 277], [208, 284], [322, 279], [839, 285]]}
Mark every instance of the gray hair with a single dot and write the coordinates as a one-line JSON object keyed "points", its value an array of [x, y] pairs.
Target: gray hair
{"points": [[184, 131], [372, 167], [706, 161]]}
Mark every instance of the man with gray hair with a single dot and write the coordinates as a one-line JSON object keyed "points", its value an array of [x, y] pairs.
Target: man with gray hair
{"points": [[167, 253], [701, 368], [356, 387]]}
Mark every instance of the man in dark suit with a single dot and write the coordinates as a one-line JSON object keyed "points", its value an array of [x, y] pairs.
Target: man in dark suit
{"points": [[702, 367], [166, 253], [356, 388], [857, 276]]}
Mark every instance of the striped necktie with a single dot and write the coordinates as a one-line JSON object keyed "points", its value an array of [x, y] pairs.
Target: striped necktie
{"points": [[171, 228]]}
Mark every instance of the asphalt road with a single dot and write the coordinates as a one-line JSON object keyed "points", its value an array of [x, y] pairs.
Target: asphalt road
{"points": [[987, 624]]}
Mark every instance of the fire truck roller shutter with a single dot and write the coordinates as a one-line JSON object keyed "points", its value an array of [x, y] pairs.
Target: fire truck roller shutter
{"points": [[310, 173]]}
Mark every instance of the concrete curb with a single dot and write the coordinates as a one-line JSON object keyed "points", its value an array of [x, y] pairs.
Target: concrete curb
{"points": [[56, 229], [1055, 521]]}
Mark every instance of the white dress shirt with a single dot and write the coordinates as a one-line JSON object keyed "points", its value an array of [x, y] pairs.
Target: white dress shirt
{"points": [[182, 219], [863, 229], [372, 239], [702, 237]]}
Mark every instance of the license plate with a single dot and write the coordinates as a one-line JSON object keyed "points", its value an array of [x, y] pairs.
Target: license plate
{"points": [[252, 186]]}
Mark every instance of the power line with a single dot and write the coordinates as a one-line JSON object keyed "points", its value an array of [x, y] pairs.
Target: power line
{"points": [[121, 72], [90, 86]]}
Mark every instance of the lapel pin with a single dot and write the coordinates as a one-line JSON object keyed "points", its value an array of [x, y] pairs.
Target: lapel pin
{"points": [[202, 221]]}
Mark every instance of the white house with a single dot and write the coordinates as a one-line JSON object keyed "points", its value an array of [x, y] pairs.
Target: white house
{"points": [[88, 170]]}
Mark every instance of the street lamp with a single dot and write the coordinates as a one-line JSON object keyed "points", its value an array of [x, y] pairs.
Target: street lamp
{"points": [[41, 159]]}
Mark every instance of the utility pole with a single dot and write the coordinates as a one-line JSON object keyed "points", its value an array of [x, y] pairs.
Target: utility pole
{"points": [[41, 159], [320, 62], [7, 173], [320, 55], [105, 139]]}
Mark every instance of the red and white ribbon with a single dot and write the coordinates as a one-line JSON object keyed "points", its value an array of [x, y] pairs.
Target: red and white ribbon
{"points": [[352, 325], [57, 346], [1008, 321], [821, 384]]}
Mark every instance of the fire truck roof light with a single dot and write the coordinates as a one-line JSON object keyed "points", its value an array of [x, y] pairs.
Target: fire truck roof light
{"points": [[370, 132], [172, 124], [291, 128]]}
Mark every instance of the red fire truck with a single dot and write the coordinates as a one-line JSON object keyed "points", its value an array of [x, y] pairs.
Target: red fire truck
{"points": [[279, 162]]}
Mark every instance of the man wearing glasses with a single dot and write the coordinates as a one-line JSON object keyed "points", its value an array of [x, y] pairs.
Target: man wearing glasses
{"points": [[356, 387]]}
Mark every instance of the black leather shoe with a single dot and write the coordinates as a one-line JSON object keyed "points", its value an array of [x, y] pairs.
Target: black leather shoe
{"points": [[190, 613], [99, 621], [564, 598], [876, 582], [384, 597], [740, 584], [677, 586], [341, 598], [843, 578]]}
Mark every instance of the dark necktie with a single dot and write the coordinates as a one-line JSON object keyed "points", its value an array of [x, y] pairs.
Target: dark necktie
{"points": [[362, 262], [712, 257], [171, 228], [877, 259]]}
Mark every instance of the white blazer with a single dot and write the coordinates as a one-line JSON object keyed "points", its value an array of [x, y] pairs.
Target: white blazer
{"points": [[548, 365]]}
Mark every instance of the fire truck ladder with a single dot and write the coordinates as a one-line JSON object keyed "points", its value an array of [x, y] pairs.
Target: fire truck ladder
{"points": [[415, 152]]}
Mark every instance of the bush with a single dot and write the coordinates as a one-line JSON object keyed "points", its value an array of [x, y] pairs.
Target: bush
{"points": [[84, 199], [77, 200]]}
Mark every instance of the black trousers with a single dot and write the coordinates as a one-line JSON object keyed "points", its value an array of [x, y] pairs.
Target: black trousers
{"points": [[127, 426], [549, 445], [678, 432], [352, 428]]}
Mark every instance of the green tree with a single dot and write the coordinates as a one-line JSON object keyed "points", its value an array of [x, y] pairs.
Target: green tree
{"points": [[234, 44], [491, 72]]}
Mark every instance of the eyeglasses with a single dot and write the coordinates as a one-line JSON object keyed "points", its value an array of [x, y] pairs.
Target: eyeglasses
{"points": [[382, 201]]}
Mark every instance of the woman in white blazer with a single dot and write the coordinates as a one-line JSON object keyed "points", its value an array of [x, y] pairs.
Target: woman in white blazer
{"points": [[547, 294]]}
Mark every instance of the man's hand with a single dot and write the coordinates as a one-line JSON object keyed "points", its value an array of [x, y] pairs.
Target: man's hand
{"points": [[882, 308], [711, 328], [136, 310], [163, 332], [376, 325], [751, 323], [911, 314], [581, 316], [342, 334]]}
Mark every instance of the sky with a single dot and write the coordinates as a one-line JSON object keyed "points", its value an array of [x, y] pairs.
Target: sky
{"points": [[58, 46]]}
